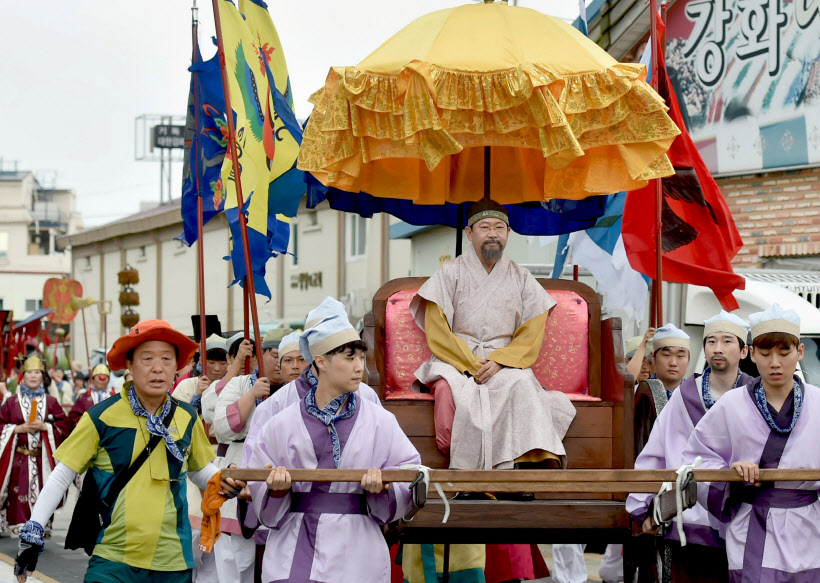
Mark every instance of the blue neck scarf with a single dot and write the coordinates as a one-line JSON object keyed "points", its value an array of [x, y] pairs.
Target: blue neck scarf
{"points": [[311, 378], [254, 378], [32, 393], [330, 414], [99, 395], [154, 423], [706, 391], [763, 407]]}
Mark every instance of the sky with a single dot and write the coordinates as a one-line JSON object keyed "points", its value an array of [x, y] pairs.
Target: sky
{"points": [[76, 74]]}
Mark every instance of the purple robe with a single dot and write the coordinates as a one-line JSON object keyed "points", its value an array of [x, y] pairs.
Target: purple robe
{"points": [[328, 532], [772, 532], [664, 450]]}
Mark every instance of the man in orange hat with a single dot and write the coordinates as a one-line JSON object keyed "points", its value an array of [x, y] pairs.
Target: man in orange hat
{"points": [[32, 427], [146, 535]]}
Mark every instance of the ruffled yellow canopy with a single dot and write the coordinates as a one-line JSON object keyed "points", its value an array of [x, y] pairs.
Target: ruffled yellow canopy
{"points": [[563, 119]]}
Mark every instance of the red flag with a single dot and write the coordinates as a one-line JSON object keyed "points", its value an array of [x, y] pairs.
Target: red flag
{"points": [[699, 235]]}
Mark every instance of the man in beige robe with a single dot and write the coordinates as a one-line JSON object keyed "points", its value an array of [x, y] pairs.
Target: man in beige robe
{"points": [[484, 317]]}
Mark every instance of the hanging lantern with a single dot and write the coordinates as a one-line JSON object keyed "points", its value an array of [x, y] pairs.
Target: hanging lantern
{"points": [[129, 318], [128, 276], [129, 297]]}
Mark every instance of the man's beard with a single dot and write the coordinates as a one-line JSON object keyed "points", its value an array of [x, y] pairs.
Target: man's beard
{"points": [[491, 254], [719, 366]]}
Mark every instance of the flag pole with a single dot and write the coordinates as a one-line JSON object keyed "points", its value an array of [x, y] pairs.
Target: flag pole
{"points": [[240, 202], [200, 247], [657, 283]]}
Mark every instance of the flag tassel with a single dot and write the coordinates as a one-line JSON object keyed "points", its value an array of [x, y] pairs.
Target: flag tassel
{"points": [[243, 224]]}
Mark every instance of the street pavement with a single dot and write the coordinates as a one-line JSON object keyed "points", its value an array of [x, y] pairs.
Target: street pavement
{"points": [[57, 565]]}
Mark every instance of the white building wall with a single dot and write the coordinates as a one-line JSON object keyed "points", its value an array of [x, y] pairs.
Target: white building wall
{"points": [[168, 275], [23, 276]]}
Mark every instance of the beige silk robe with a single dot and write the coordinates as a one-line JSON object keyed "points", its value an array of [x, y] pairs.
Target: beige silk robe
{"points": [[511, 414]]}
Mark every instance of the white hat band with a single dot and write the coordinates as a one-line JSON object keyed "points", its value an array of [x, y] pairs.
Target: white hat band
{"points": [[769, 326], [727, 327], [670, 341], [340, 338], [286, 348]]}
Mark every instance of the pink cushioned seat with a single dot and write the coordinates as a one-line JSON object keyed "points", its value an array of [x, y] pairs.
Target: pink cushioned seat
{"points": [[563, 363]]}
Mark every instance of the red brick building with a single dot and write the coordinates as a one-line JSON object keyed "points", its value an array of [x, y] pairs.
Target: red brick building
{"points": [[777, 210]]}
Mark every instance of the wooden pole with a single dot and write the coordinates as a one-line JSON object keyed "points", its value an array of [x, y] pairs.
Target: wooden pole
{"points": [[528, 477], [200, 247], [657, 283], [240, 201], [85, 335]]}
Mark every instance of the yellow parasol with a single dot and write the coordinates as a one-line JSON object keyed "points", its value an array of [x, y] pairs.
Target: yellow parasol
{"points": [[562, 119]]}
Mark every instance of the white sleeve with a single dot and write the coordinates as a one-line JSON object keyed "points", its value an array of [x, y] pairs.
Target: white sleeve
{"points": [[200, 477], [52, 493]]}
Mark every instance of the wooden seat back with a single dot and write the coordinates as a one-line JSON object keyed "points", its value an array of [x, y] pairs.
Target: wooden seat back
{"points": [[576, 358]]}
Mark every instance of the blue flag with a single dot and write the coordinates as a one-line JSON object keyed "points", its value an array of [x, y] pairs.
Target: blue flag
{"points": [[205, 143]]}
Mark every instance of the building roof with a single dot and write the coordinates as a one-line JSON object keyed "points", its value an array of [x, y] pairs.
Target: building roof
{"points": [[155, 218], [404, 230], [618, 25], [13, 175]]}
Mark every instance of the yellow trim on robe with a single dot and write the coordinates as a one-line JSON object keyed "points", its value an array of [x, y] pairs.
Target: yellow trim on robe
{"points": [[523, 349], [537, 455], [446, 345]]}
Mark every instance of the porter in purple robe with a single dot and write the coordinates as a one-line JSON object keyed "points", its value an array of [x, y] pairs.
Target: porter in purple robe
{"points": [[772, 533], [327, 532], [772, 530]]}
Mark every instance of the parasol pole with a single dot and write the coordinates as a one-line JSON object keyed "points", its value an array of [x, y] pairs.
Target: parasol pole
{"points": [[657, 283], [487, 171], [240, 202], [200, 247]]}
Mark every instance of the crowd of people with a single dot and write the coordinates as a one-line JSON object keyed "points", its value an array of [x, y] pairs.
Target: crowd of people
{"points": [[161, 510]]}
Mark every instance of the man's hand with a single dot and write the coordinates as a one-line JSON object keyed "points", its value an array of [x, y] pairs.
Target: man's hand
{"points": [[232, 488], [23, 428], [372, 482], [649, 334], [649, 526], [487, 370], [29, 550], [26, 560], [203, 384], [245, 351], [37, 425], [749, 471], [261, 388], [278, 481]]}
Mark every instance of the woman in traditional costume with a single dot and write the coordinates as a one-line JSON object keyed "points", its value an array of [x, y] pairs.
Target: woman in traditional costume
{"points": [[32, 428]]}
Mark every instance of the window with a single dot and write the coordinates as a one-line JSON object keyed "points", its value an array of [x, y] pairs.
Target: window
{"points": [[358, 236], [1, 304], [34, 305]]}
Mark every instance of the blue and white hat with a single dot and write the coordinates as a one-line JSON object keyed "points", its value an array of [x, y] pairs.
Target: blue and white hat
{"points": [[329, 307], [728, 323], [670, 335], [238, 337], [215, 342], [775, 319], [323, 337], [289, 343]]}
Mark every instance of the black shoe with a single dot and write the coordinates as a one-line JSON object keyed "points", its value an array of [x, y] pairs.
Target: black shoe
{"points": [[515, 496], [471, 496]]}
